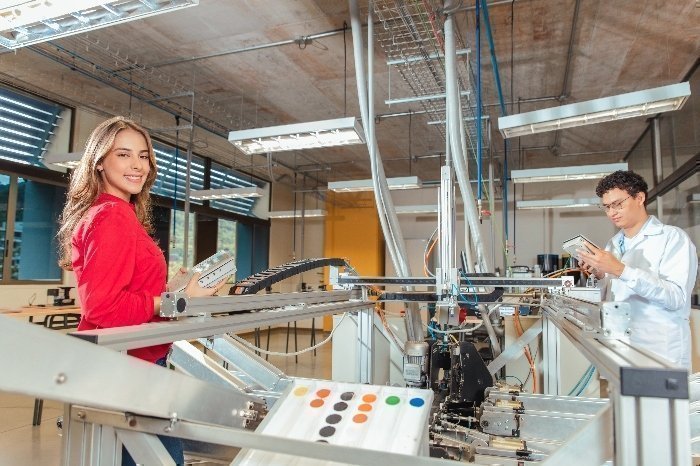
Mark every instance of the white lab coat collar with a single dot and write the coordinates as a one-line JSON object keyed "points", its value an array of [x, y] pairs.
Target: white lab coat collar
{"points": [[652, 226]]}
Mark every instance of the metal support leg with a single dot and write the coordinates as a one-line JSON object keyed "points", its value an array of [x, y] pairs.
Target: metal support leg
{"points": [[296, 347], [106, 448], [551, 357], [625, 436], [71, 439], [286, 345], [257, 339], [38, 408], [145, 448], [312, 342], [365, 334]]}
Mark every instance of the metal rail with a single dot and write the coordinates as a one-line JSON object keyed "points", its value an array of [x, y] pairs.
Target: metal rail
{"points": [[139, 336], [649, 395]]}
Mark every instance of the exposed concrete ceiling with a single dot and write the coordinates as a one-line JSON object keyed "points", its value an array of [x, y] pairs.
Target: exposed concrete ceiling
{"points": [[559, 52]]}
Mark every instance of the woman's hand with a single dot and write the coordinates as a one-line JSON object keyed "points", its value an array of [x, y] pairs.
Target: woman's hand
{"points": [[599, 262], [194, 290], [175, 278]]}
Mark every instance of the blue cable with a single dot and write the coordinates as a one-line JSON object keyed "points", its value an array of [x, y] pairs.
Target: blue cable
{"points": [[476, 298], [459, 294], [497, 76], [588, 380], [580, 381], [430, 330], [585, 379]]}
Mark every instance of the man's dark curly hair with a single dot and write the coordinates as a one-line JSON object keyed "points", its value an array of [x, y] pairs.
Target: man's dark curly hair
{"points": [[626, 180]]}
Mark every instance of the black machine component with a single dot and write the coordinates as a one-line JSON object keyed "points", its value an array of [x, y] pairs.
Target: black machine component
{"points": [[269, 277], [61, 296], [428, 297], [469, 376], [465, 376], [421, 296]]}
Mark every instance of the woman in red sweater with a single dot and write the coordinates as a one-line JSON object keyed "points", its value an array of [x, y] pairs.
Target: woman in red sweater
{"points": [[104, 238]]}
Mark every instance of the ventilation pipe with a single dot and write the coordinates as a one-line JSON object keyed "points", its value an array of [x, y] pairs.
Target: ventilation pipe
{"points": [[385, 207], [457, 132]]}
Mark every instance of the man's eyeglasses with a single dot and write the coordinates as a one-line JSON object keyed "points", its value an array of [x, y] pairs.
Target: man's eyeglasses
{"points": [[615, 206]]}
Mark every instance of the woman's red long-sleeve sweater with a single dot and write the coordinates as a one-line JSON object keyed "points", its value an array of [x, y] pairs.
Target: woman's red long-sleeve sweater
{"points": [[118, 268]]}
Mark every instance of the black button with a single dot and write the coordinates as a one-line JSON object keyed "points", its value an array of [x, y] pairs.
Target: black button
{"points": [[340, 406]]}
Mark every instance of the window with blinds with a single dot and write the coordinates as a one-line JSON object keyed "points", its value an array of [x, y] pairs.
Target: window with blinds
{"points": [[222, 177], [172, 169], [26, 127]]}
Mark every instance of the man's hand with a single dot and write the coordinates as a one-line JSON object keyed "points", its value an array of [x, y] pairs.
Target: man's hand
{"points": [[599, 262]]}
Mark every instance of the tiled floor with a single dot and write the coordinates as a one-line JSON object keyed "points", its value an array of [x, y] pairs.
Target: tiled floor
{"points": [[22, 444]]}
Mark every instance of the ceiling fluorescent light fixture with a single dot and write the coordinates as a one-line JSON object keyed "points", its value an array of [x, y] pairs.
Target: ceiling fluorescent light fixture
{"points": [[226, 193], [297, 213], [557, 203], [297, 136], [65, 160], [617, 107], [694, 198], [25, 22], [402, 182], [581, 172]]}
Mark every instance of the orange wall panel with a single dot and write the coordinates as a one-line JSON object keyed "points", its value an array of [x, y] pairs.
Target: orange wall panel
{"points": [[352, 231]]}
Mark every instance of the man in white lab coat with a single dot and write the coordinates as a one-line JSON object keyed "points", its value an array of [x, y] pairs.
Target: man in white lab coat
{"points": [[648, 264]]}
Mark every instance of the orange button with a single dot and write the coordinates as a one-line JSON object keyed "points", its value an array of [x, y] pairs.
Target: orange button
{"points": [[324, 392], [359, 418], [369, 398], [364, 407], [316, 403]]}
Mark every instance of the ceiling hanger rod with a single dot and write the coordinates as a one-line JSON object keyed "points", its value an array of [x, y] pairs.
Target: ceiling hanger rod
{"points": [[299, 40], [382, 116]]}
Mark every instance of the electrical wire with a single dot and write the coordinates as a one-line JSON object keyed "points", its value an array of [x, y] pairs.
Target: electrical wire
{"points": [[432, 241], [469, 282], [519, 331], [583, 382], [463, 298], [529, 374], [516, 378], [246, 343], [390, 331], [449, 332]]}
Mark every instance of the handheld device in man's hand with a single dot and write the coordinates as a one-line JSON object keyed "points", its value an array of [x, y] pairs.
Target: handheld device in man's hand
{"points": [[578, 242], [213, 269]]}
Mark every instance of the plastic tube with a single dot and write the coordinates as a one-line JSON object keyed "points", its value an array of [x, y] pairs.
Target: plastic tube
{"points": [[385, 207]]}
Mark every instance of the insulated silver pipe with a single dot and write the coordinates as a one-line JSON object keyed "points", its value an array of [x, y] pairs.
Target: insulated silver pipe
{"points": [[492, 197], [458, 143], [454, 133], [356, 28], [385, 203], [451, 89], [385, 207]]}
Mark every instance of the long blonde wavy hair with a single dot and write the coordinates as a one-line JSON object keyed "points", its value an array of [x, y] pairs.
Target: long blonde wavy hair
{"points": [[86, 183]]}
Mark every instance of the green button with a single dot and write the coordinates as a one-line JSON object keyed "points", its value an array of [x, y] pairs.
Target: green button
{"points": [[393, 400]]}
